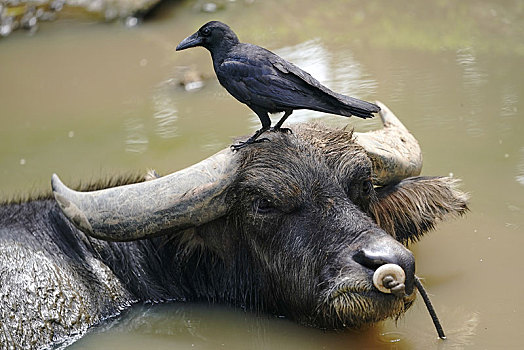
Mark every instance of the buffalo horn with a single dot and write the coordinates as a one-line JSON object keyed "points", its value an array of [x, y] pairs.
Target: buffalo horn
{"points": [[395, 153], [183, 199]]}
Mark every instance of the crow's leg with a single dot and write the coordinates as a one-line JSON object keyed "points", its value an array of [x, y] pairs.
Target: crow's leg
{"points": [[278, 125], [266, 124]]}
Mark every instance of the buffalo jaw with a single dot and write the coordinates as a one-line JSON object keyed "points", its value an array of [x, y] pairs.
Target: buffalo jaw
{"points": [[358, 307]]}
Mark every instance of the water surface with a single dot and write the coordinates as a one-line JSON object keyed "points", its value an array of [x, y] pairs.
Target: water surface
{"points": [[89, 100]]}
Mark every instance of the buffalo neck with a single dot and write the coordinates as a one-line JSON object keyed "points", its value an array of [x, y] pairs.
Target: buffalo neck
{"points": [[168, 269]]}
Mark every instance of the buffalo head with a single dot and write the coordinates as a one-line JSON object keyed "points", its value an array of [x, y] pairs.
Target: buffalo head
{"points": [[296, 226]]}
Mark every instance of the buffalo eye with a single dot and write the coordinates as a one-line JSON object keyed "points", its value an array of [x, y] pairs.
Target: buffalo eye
{"points": [[367, 187], [205, 32], [263, 206]]}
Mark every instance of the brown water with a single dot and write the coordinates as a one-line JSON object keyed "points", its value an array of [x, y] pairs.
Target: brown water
{"points": [[86, 100]]}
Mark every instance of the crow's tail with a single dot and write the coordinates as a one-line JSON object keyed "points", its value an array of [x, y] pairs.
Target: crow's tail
{"points": [[345, 106], [351, 106]]}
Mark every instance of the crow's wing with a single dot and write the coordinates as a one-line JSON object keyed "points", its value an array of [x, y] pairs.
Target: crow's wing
{"points": [[353, 104], [256, 76], [254, 81]]}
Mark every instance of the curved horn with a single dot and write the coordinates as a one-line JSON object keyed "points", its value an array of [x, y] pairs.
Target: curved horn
{"points": [[395, 153], [183, 199]]}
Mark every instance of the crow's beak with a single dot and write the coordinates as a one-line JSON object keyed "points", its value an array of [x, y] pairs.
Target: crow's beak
{"points": [[190, 41]]}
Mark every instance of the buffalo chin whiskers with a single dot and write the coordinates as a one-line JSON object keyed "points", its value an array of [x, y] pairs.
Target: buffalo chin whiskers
{"points": [[351, 307]]}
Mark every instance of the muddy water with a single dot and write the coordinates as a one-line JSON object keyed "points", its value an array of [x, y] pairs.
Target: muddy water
{"points": [[89, 100]]}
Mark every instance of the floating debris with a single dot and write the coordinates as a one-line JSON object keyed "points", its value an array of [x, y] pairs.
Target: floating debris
{"points": [[192, 80]]}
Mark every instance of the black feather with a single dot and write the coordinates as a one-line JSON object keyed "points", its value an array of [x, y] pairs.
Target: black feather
{"points": [[267, 83]]}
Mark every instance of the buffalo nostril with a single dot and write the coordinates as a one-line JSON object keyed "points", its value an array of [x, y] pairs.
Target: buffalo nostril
{"points": [[370, 259]]}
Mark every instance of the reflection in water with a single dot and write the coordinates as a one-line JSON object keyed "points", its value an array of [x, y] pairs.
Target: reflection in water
{"points": [[460, 325], [349, 77], [520, 168], [390, 337], [472, 80], [165, 111], [136, 139], [196, 326], [190, 325], [463, 334], [508, 109], [509, 102], [472, 75]]}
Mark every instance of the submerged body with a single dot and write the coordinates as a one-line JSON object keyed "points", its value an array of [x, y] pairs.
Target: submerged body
{"points": [[267, 83]]}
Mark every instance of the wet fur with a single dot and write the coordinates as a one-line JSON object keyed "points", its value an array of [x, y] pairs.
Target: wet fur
{"points": [[414, 206], [406, 210], [290, 259]]}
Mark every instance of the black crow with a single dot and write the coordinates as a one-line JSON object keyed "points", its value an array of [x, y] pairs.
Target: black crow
{"points": [[267, 83]]}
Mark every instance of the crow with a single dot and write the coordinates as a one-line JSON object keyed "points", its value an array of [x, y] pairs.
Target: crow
{"points": [[267, 83]]}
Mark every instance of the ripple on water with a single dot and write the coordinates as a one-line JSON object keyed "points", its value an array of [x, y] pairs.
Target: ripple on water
{"points": [[391, 337], [165, 110], [520, 168], [136, 138]]}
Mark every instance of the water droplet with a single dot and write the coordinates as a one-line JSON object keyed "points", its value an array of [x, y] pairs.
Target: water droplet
{"points": [[71, 134], [143, 62], [506, 155], [22, 161]]}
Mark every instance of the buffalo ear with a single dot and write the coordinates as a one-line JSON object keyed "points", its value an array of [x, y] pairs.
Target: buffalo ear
{"points": [[410, 208]]}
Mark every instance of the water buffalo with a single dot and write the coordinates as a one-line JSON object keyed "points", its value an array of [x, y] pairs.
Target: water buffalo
{"points": [[296, 226]]}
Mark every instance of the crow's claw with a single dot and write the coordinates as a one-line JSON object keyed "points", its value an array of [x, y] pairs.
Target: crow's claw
{"points": [[284, 130], [242, 144]]}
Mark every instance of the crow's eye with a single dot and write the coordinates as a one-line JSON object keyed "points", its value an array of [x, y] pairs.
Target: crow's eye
{"points": [[263, 206], [205, 32]]}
